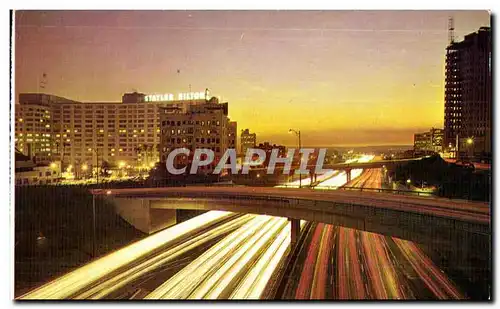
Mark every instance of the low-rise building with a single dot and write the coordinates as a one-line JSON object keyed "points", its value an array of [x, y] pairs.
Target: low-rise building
{"points": [[248, 140], [268, 148], [431, 141], [27, 172]]}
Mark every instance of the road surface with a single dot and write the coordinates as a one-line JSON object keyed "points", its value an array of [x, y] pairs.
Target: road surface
{"points": [[343, 263]]}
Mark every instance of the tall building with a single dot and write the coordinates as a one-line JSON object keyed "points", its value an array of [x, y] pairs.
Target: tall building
{"points": [[233, 135], [468, 96], [431, 141], [194, 126], [84, 135], [34, 125], [248, 140]]}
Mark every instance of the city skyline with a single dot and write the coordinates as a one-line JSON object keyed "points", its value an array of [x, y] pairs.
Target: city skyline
{"points": [[277, 69]]}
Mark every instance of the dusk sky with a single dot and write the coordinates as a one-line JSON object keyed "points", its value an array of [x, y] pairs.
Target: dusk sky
{"points": [[341, 77]]}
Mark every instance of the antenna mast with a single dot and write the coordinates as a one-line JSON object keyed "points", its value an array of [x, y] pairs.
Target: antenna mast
{"points": [[451, 30], [42, 83]]}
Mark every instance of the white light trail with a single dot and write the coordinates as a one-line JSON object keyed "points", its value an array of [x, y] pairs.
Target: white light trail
{"points": [[233, 268], [116, 282], [74, 281], [182, 284], [256, 280]]}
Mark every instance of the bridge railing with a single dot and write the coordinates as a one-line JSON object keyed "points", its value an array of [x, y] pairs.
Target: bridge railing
{"points": [[402, 192], [380, 190]]}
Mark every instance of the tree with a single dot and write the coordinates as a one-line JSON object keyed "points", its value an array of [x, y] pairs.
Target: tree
{"points": [[105, 168]]}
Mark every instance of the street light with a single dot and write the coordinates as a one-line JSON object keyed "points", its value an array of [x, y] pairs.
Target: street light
{"points": [[470, 143], [96, 150], [297, 132], [84, 169]]}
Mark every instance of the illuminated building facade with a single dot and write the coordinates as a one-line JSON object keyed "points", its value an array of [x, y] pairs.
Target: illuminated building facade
{"points": [[194, 126], [431, 141], [232, 135], [247, 140], [84, 135], [28, 172], [468, 94], [34, 125]]}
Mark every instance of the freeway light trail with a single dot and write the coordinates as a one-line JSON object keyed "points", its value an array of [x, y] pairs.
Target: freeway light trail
{"points": [[332, 178], [234, 267], [182, 284], [237, 256], [118, 281], [363, 265], [340, 179], [254, 283], [215, 273], [69, 284]]}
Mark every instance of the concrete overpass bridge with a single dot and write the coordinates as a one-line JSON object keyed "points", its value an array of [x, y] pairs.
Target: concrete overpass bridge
{"points": [[428, 220], [348, 167]]}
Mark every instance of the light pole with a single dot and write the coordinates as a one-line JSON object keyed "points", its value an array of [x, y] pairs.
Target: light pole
{"points": [[121, 165], [470, 143], [98, 168], [84, 168], [96, 150], [93, 225], [297, 132], [64, 144]]}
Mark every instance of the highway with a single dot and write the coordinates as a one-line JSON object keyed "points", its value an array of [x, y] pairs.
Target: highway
{"points": [[342, 263], [307, 181], [212, 256], [224, 255], [221, 271], [110, 273]]}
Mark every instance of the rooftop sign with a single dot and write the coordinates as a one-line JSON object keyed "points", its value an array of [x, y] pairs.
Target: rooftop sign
{"points": [[180, 96]]}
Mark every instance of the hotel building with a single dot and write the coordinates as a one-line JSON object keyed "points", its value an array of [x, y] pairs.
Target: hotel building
{"points": [[83, 135]]}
